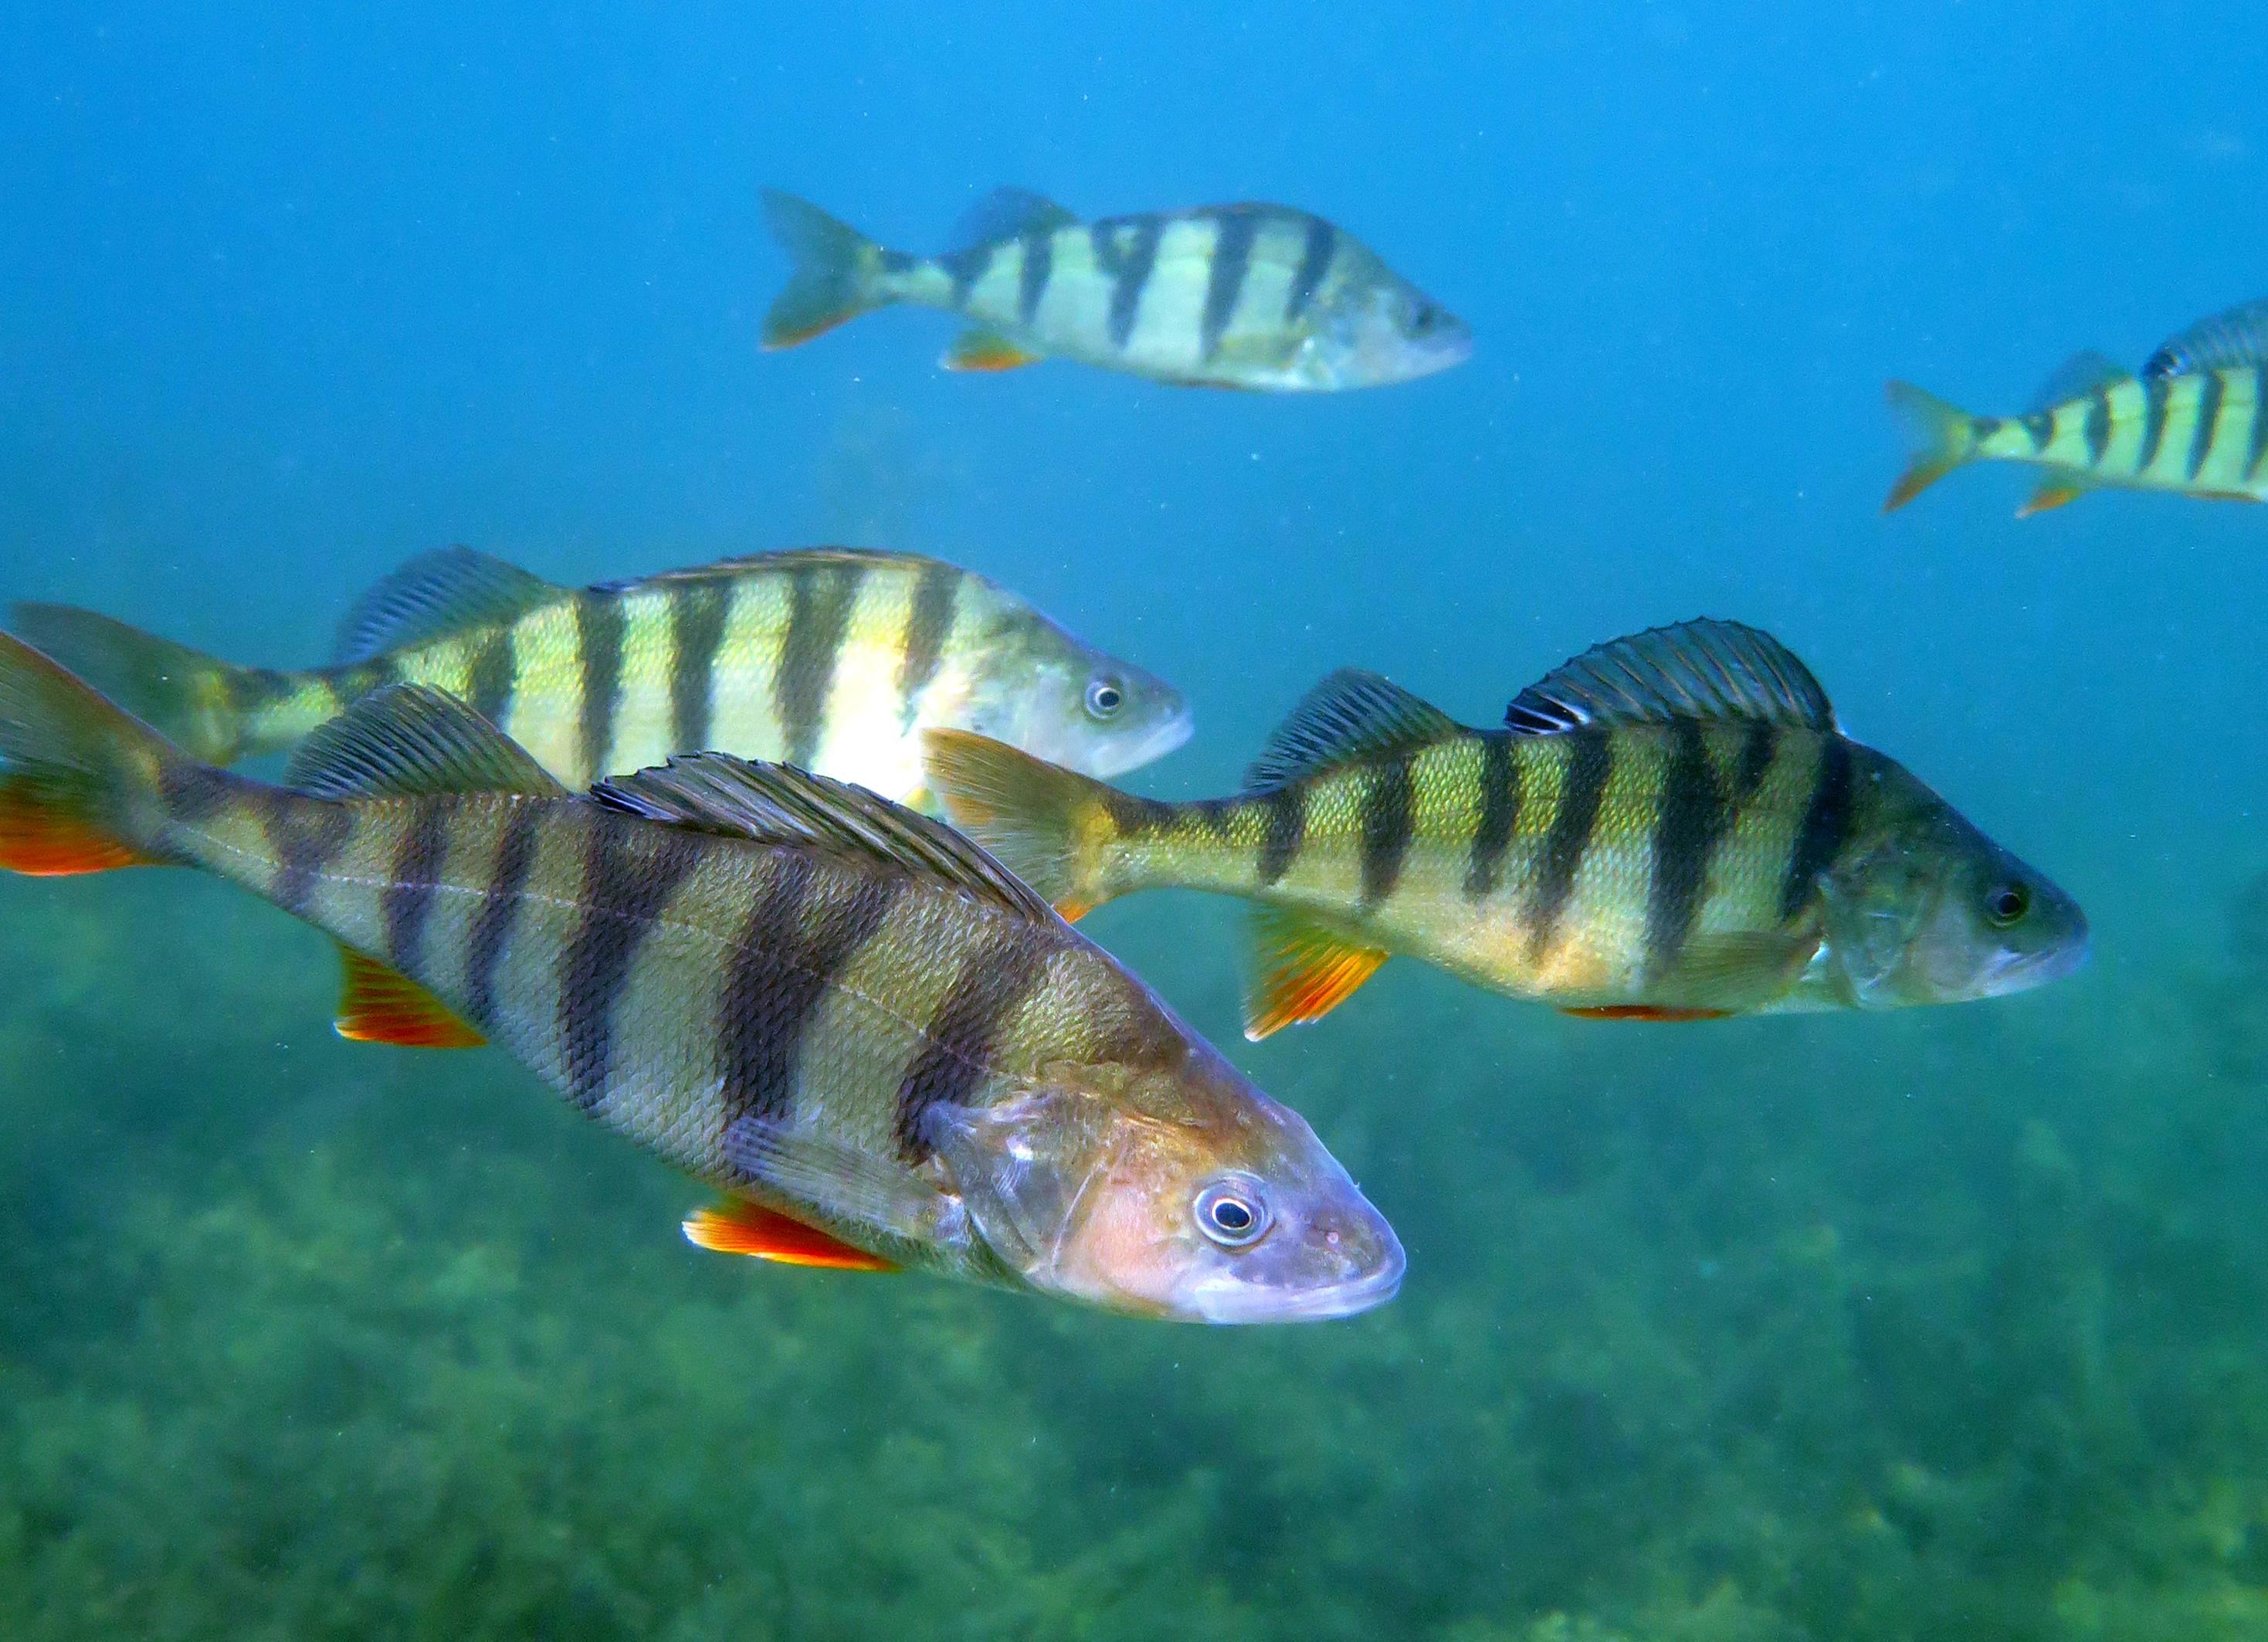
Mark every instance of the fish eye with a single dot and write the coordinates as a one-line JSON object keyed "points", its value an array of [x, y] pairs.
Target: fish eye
{"points": [[1422, 318], [1104, 698], [2007, 904], [1233, 1212]]}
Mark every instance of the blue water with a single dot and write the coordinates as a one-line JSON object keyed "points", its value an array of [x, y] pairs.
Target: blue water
{"points": [[1944, 1324]]}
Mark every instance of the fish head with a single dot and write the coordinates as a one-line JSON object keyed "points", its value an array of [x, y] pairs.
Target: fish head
{"points": [[1229, 1210], [1041, 690], [1928, 909], [1369, 332]]}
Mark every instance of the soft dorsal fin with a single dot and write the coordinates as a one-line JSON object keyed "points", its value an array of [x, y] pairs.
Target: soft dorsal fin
{"points": [[2234, 336], [1352, 714], [1703, 669], [2076, 378], [409, 739], [780, 561], [436, 594], [776, 804], [1003, 214]]}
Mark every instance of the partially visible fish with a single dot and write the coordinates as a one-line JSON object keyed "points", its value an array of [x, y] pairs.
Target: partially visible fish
{"points": [[880, 1048], [832, 659], [1222, 296], [2194, 422], [1670, 826]]}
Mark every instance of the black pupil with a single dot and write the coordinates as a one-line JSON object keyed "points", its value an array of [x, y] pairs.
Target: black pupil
{"points": [[1232, 1215], [2008, 902], [1106, 698]]}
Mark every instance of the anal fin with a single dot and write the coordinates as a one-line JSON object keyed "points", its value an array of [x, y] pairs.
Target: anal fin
{"points": [[738, 1227], [378, 1005], [2053, 494], [1301, 971], [986, 350]]}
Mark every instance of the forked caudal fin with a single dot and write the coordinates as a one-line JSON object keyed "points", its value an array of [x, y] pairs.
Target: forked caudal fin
{"points": [[196, 701], [1046, 825], [1946, 437], [832, 278], [79, 778]]}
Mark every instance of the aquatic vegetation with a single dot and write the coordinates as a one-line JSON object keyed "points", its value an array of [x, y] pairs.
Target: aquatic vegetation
{"points": [[1810, 1332]]}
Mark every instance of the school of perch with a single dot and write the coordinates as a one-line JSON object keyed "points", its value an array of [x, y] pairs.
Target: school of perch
{"points": [[772, 864]]}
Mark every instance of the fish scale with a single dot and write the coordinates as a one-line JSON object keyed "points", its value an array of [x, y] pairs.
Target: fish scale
{"points": [[883, 1049]]}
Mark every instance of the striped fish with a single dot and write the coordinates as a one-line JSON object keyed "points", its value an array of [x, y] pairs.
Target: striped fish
{"points": [[1222, 296], [831, 659], [1670, 826], [880, 1048], [2194, 422]]}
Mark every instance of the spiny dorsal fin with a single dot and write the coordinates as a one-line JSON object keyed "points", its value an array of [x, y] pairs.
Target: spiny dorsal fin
{"points": [[411, 739], [436, 594], [776, 804], [2234, 336], [2076, 378], [1352, 714], [1003, 214], [1703, 669], [782, 561]]}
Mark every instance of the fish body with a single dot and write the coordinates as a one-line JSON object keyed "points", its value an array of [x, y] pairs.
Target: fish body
{"points": [[1249, 296], [831, 659], [2194, 422], [881, 1049], [1671, 826]]}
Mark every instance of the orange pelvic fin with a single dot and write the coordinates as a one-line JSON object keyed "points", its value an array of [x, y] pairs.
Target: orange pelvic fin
{"points": [[986, 350], [45, 839], [738, 1227], [1647, 1011], [381, 1006]]}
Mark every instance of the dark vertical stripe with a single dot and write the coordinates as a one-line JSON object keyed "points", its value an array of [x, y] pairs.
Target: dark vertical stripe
{"points": [[408, 898], [967, 268], [1500, 814], [1032, 281], [2040, 425], [2154, 394], [2211, 392], [961, 1040], [630, 870], [599, 662], [192, 792], [1590, 760], [304, 836], [1826, 824], [820, 597], [500, 911], [1128, 265], [927, 628], [487, 689], [697, 611], [2098, 426], [1759, 742], [1692, 819], [1314, 261], [1232, 260], [779, 973], [1284, 822], [2258, 451], [1389, 816]]}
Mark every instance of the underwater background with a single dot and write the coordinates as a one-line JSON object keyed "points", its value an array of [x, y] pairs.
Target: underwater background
{"points": [[1950, 1323]]}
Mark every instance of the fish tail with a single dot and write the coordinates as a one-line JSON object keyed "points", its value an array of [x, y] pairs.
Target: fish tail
{"points": [[1946, 437], [1053, 828], [212, 709], [81, 781], [835, 273]]}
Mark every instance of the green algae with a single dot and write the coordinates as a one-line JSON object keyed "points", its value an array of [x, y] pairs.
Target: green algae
{"points": [[1943, 1324]]}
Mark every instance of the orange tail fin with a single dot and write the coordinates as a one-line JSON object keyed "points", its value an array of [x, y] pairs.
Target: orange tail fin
{"points": [[78, 778]]}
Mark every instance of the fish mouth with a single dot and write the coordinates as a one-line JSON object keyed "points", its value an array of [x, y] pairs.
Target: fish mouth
{"points": [[2020, 972], [1226, 1300], [1168, 735]]}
